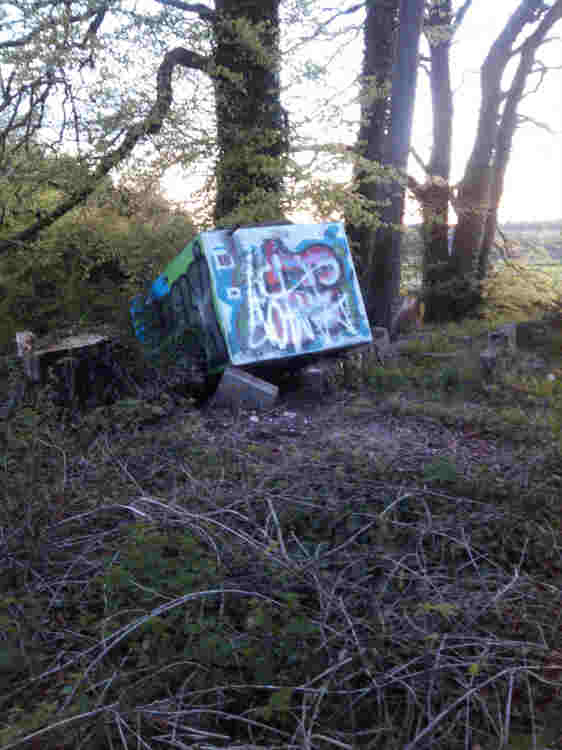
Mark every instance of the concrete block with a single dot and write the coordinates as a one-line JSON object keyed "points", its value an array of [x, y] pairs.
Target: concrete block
{"points": [[381, 341], [32, 367], [239, 388], [25, 342], [533, 333], [488, 362], [313, 379], [504, 339]]}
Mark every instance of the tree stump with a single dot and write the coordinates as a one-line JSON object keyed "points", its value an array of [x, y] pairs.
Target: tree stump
{"points": [[80, 369]]}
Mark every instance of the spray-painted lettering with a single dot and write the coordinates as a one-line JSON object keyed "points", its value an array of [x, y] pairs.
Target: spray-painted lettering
{"points": [[294, 298]]}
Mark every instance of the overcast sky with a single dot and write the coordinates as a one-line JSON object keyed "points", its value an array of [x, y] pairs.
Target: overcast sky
{"points": [[533, 189]]}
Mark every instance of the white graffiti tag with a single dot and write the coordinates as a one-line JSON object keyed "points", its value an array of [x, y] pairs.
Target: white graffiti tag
{"points": [[294, 298]]}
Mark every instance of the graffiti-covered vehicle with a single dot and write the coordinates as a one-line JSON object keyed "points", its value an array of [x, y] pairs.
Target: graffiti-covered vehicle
{"points": [[252, 296]]}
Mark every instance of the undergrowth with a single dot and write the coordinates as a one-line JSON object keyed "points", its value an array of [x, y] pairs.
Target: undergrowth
{"points": [[178, 577]]}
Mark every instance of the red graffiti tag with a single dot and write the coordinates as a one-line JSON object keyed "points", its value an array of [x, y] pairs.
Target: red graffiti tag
{"points": [[315, 266]]}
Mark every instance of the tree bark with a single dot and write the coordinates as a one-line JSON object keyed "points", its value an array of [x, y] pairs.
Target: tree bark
{"points": [[475, 192], [434, 196], [251, 123], [506, 132], [392, 33], [380, 35], [404, 81]]}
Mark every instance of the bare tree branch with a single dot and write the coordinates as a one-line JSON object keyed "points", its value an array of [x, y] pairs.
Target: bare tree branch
{"points": [[419, 160], [541, 69], [491, 74], [94, 26], [527, 118], [551, 17], [48, 23], [203, 11], [36, 94], [459, 16], [324, 25], [151, 125], [549, 39]]}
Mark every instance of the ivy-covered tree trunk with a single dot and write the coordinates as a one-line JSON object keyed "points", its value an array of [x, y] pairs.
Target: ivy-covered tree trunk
{"points": [[251, 123]]}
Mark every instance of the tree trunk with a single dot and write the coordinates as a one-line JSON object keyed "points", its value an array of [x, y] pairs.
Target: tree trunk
{"points": [[434, 195], [391, 55], [476, 191], [403, 91], [381, 26], [506, 131], [380, 34], [251, 123]]}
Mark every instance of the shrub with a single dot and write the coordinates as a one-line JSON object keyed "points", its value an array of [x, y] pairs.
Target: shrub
{"points": [[519, 292], [87, 266]]}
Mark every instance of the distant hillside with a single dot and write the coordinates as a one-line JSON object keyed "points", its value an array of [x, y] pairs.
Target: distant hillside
{"points": [[533, 226], [534, 242]]}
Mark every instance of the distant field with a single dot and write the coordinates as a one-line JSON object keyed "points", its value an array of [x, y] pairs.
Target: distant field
{"points": [[538, 244], [540, 241]]}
